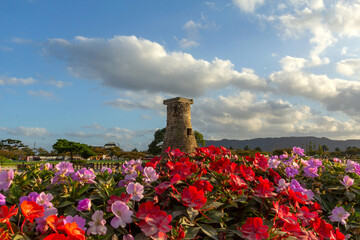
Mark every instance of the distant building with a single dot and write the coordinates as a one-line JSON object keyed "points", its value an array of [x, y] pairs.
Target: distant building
{"points": [[109, 145]]}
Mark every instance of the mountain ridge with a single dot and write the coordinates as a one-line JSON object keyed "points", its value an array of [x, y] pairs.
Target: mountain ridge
{"points": [[270, 144]]}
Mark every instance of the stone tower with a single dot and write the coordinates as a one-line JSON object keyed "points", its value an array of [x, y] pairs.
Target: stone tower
{"points": [[179, 133]]}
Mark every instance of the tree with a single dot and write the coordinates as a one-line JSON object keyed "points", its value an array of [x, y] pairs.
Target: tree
{"points": [[11, 144], [155, 146], [42, 152], [325, 148], [199, 139], [63, 146], [337, 149], [258, 149], [246, 148]]}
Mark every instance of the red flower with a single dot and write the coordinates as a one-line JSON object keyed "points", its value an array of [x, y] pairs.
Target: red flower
{"points": [[31, 210], [237, 184], [297, 198], [184, 169], [306, 216], [6, 214], [145, 209], [264, 189], [254, 229], [54, 222], [203, 185], [193, 198], [247, 173], [56, 236], [261, 162], [283, 213], [73, 231], [154, 222], [291, 227], [324, 229], [274, 175], [337, 235]]}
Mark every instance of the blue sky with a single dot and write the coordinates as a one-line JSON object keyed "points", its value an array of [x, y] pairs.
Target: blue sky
{"points": [[98, 71]]}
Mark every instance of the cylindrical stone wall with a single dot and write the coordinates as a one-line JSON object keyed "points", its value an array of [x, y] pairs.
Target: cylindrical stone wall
{"points": [[179, 133]]}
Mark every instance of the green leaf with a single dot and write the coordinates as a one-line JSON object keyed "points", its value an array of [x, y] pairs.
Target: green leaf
{"points": [[64, 204], [350, 195], [192, 213], [191, 232], [209, 230]]}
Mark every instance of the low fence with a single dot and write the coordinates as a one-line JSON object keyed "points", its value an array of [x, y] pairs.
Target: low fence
{"points": [[96, 166]]}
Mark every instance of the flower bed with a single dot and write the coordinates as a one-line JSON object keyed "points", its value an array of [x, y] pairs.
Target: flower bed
{"points": [[210, 194]]}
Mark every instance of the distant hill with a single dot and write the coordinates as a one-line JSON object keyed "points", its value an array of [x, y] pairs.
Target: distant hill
{"points": [[269, 144]]}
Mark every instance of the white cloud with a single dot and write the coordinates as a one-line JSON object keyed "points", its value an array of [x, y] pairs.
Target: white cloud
{"points": [[244, 116], [21, 40], [58, 84], [248, 5], [136, 64], [186, 43], [349, 67], [16, 81], [334, 93], [26, 131], [142, 100], [40, 93], [6, 49]]}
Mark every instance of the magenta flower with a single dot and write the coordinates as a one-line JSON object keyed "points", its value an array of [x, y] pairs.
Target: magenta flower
{"points": [[106, 169], [31, 197], [77, 219], [347, 181], [122, 214], [299, 151], [97, 225], [84, 205], [64, 168], [2, 200], [150, 174], [274, 162], [291, 172], [296, 187], [136, 190], [282, 185], [6, 179], [44, 199], [339, 215], [84, 175], [311, 172]]}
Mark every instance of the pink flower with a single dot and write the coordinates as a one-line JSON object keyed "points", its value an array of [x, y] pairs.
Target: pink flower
{"points": [[6, 179], [128, 237], [2, 200], [97, 225], [150, 174], [122, 214], [347, 181], [44, 199], [339, 215], [136, 190], [84, 205]]}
